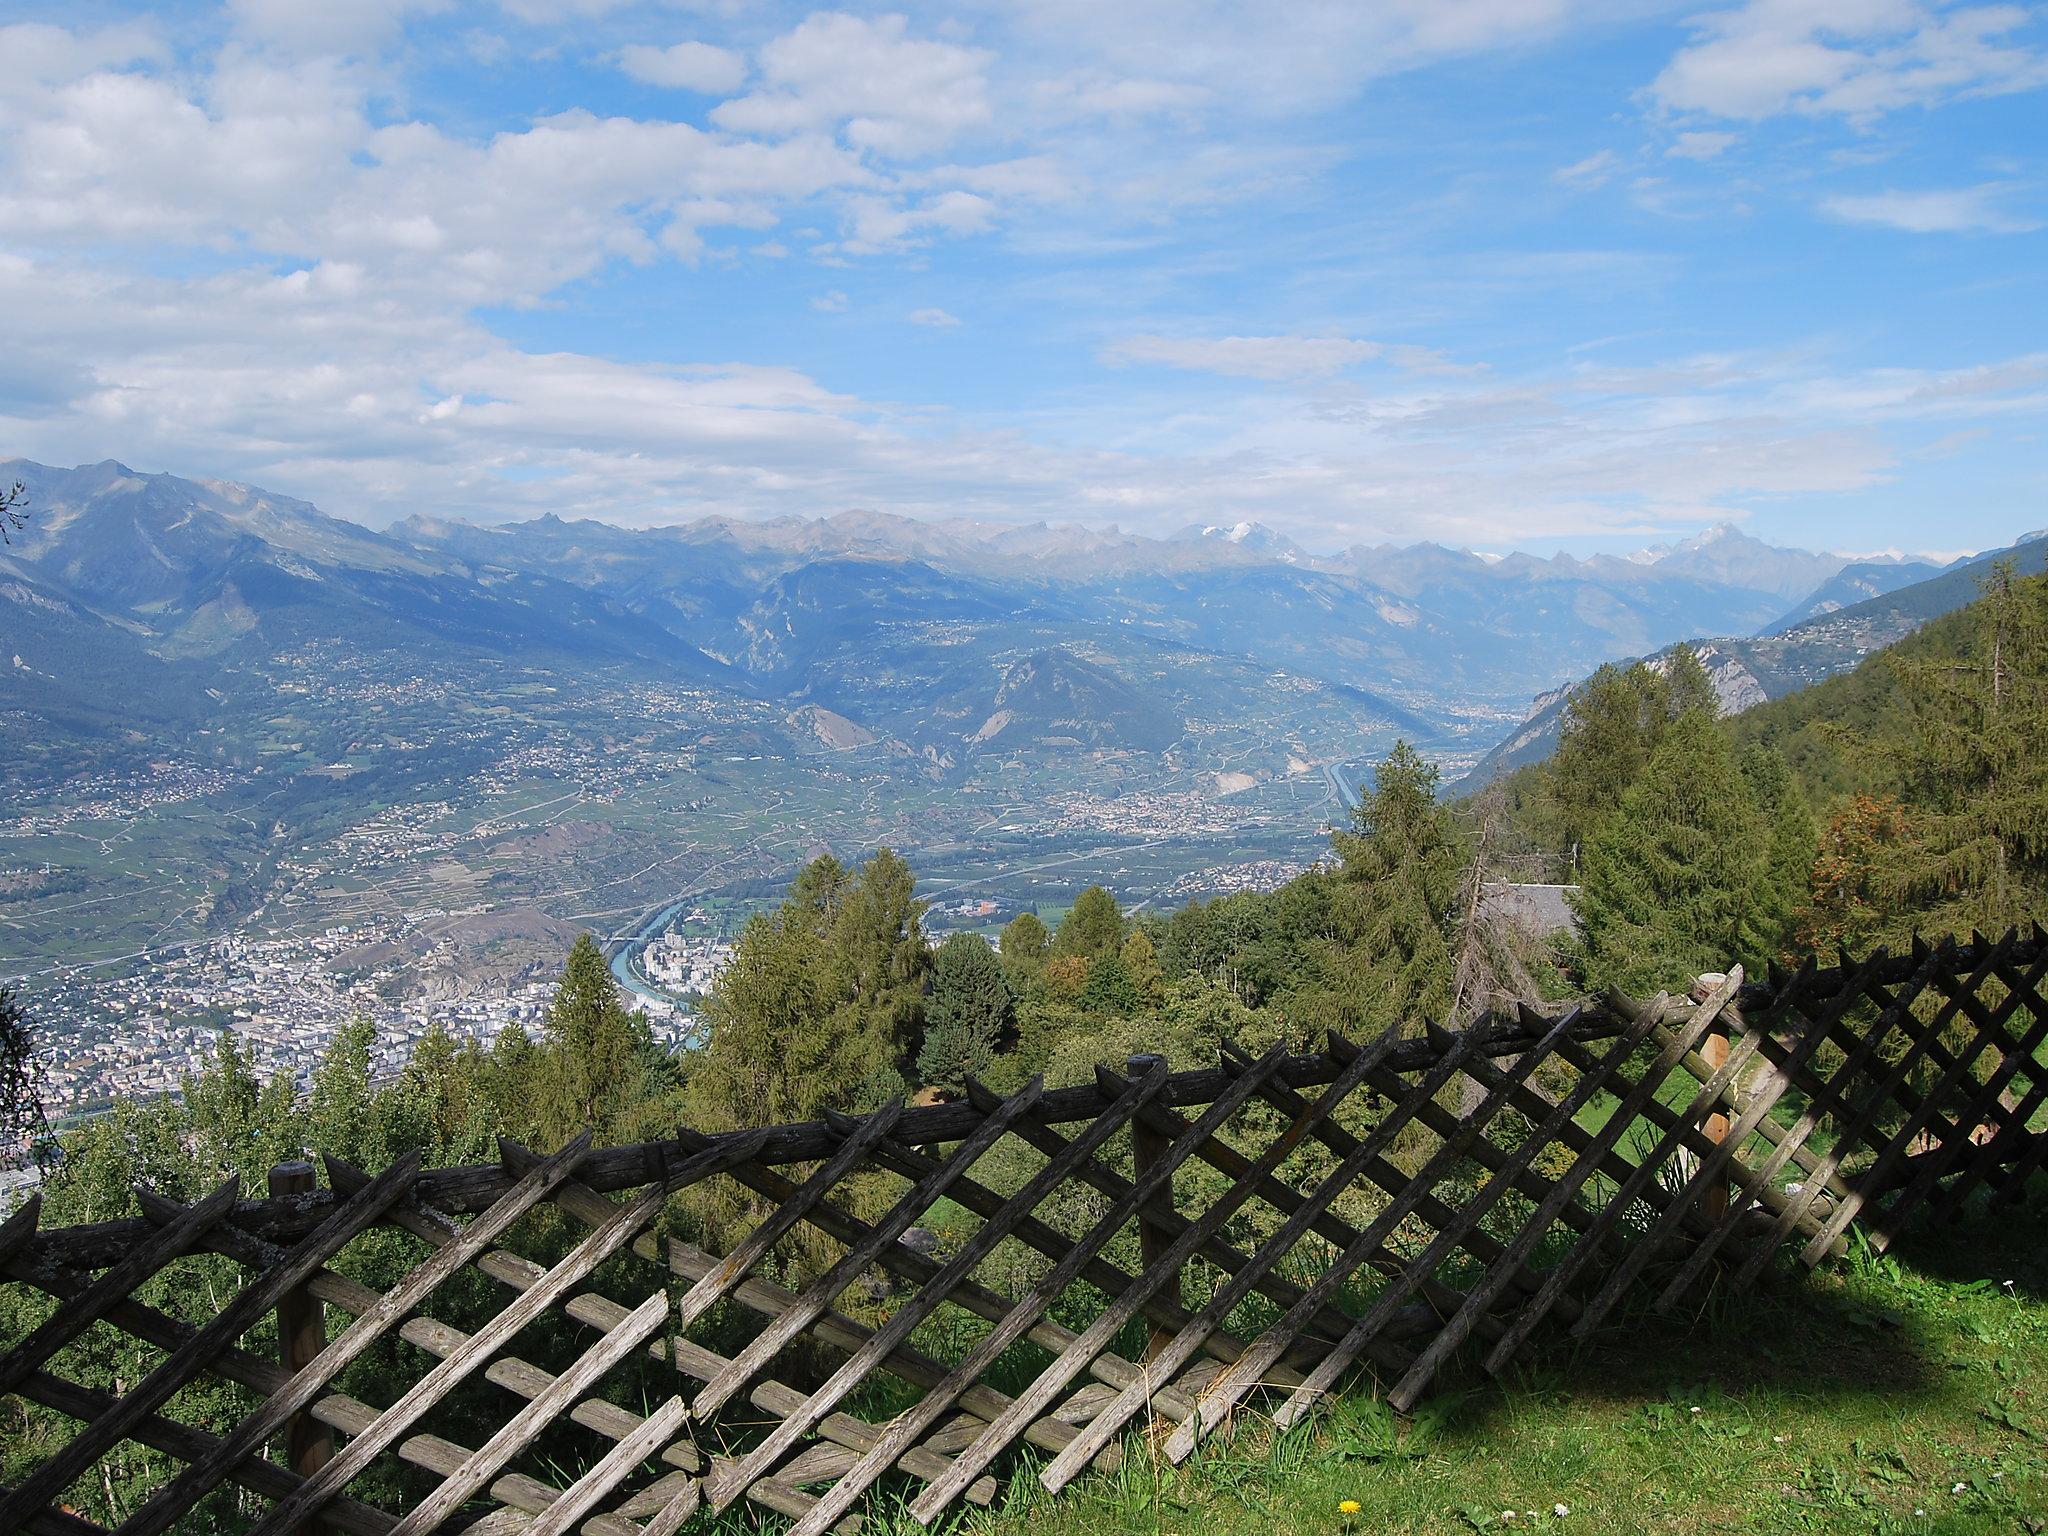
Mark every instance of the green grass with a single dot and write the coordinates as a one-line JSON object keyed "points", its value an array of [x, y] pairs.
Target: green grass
{"points": [[1905, 1394]]}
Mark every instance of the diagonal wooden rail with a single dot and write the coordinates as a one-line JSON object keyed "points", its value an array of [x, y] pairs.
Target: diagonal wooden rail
{"points": [[1150, 1248]]}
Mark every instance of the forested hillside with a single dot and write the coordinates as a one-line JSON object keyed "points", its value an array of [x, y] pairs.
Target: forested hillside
{"points": [[1922, 768]]}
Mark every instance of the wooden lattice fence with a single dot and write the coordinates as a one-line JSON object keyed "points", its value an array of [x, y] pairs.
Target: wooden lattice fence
{"points": [[1034, 1274]]}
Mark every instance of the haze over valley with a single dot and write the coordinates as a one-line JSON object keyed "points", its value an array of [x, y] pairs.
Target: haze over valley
{"points": [[274, 768]]}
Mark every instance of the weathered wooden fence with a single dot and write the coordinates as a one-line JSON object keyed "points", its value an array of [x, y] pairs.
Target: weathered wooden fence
{"points": [[1048, 1269]]}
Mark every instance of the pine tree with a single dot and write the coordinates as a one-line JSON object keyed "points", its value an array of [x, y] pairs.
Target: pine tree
{"points": [[1024, 944], [592, 1074], [1855, 899], [1672, 884], [1399, 887], [338, 1110], [1141, 963], [1093, 929], [1612, 726], [1109, 991], [1973, 767], [821, 1004], [970, 1009], [1790, 848]]}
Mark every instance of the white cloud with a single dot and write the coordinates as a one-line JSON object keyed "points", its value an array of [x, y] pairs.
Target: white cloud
{"points": [[934, 317], [45, 55], [689, 66], [1596, 170], [1268, 357], [1857, 59], [870, 81], [1937, 211], [832, 302], [1699, 145]]}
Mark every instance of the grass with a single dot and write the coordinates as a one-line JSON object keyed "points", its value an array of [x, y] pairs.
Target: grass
{"points": [[1906, 1393]]}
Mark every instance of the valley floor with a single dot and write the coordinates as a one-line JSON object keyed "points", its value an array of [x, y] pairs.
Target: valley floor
{"points": [[1900, 1394]]}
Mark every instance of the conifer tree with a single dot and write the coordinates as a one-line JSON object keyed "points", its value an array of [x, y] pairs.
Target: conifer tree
{"points": [[1399, 887], [591, 1074], [1024, 944], [1141, 963], [1790, 847], [1855, 900], [821, 1003], [338, 1110], [1671, 886], [1093, 929], [1973, 765], [970, 1009], [1109, 991]]}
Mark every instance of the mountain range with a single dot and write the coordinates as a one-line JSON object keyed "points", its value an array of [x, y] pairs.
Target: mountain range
{"points": [[137, 606], [1860, 610]]}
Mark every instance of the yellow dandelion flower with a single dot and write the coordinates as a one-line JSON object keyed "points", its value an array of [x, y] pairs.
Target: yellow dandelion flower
{"points": [[1349, 1507]]}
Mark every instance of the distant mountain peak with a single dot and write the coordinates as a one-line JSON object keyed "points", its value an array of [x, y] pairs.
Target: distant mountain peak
{"points": [[1252, 536]]}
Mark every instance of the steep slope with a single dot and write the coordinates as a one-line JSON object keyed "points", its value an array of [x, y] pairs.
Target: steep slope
{"points": [[1747, 672], [1854, 584]]}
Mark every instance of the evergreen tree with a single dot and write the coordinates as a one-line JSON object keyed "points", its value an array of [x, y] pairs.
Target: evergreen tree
{"points": [[1093, 929], [1109, 991], [1973, 766], [1398, 875], [592, 1073], [220, 1109], [1024, 944], [1855, 900], [1141, 963], [821, 1003], [1612, 725], [338, 1110], [971, 1008], [1672, 884], [1789, 850]]}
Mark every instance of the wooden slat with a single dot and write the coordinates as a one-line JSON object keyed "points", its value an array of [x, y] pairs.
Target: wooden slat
{"points": [[771, 1397], [449, 1373], [1678, 1129], [735, 1266], [262, 1375], [928, 1299], [177, 1496], [233, 1320], [1502, 1273], [1764, 1097], [518, 1431], [72, 1319], [2015, 1056], [918, 1269], [19, 1229], [1220, 1344], [347, 1517], [821, 1293], [913, 1421], [1161, 1268], [1834, 1093], [1336, 1361], [1253, 1368], [613, 1468], [1847, 1208], [1180, 1348]]}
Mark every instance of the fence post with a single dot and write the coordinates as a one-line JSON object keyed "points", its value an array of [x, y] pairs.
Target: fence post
{"points": [[1147, 1147], [1714, 1052], [301, 1334]]}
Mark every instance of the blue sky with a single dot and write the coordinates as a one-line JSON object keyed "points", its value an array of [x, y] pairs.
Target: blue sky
{"points": [[1493, 272]]}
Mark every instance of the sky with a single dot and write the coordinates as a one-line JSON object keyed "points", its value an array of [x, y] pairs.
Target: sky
{"points": [[1496, 273]]}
